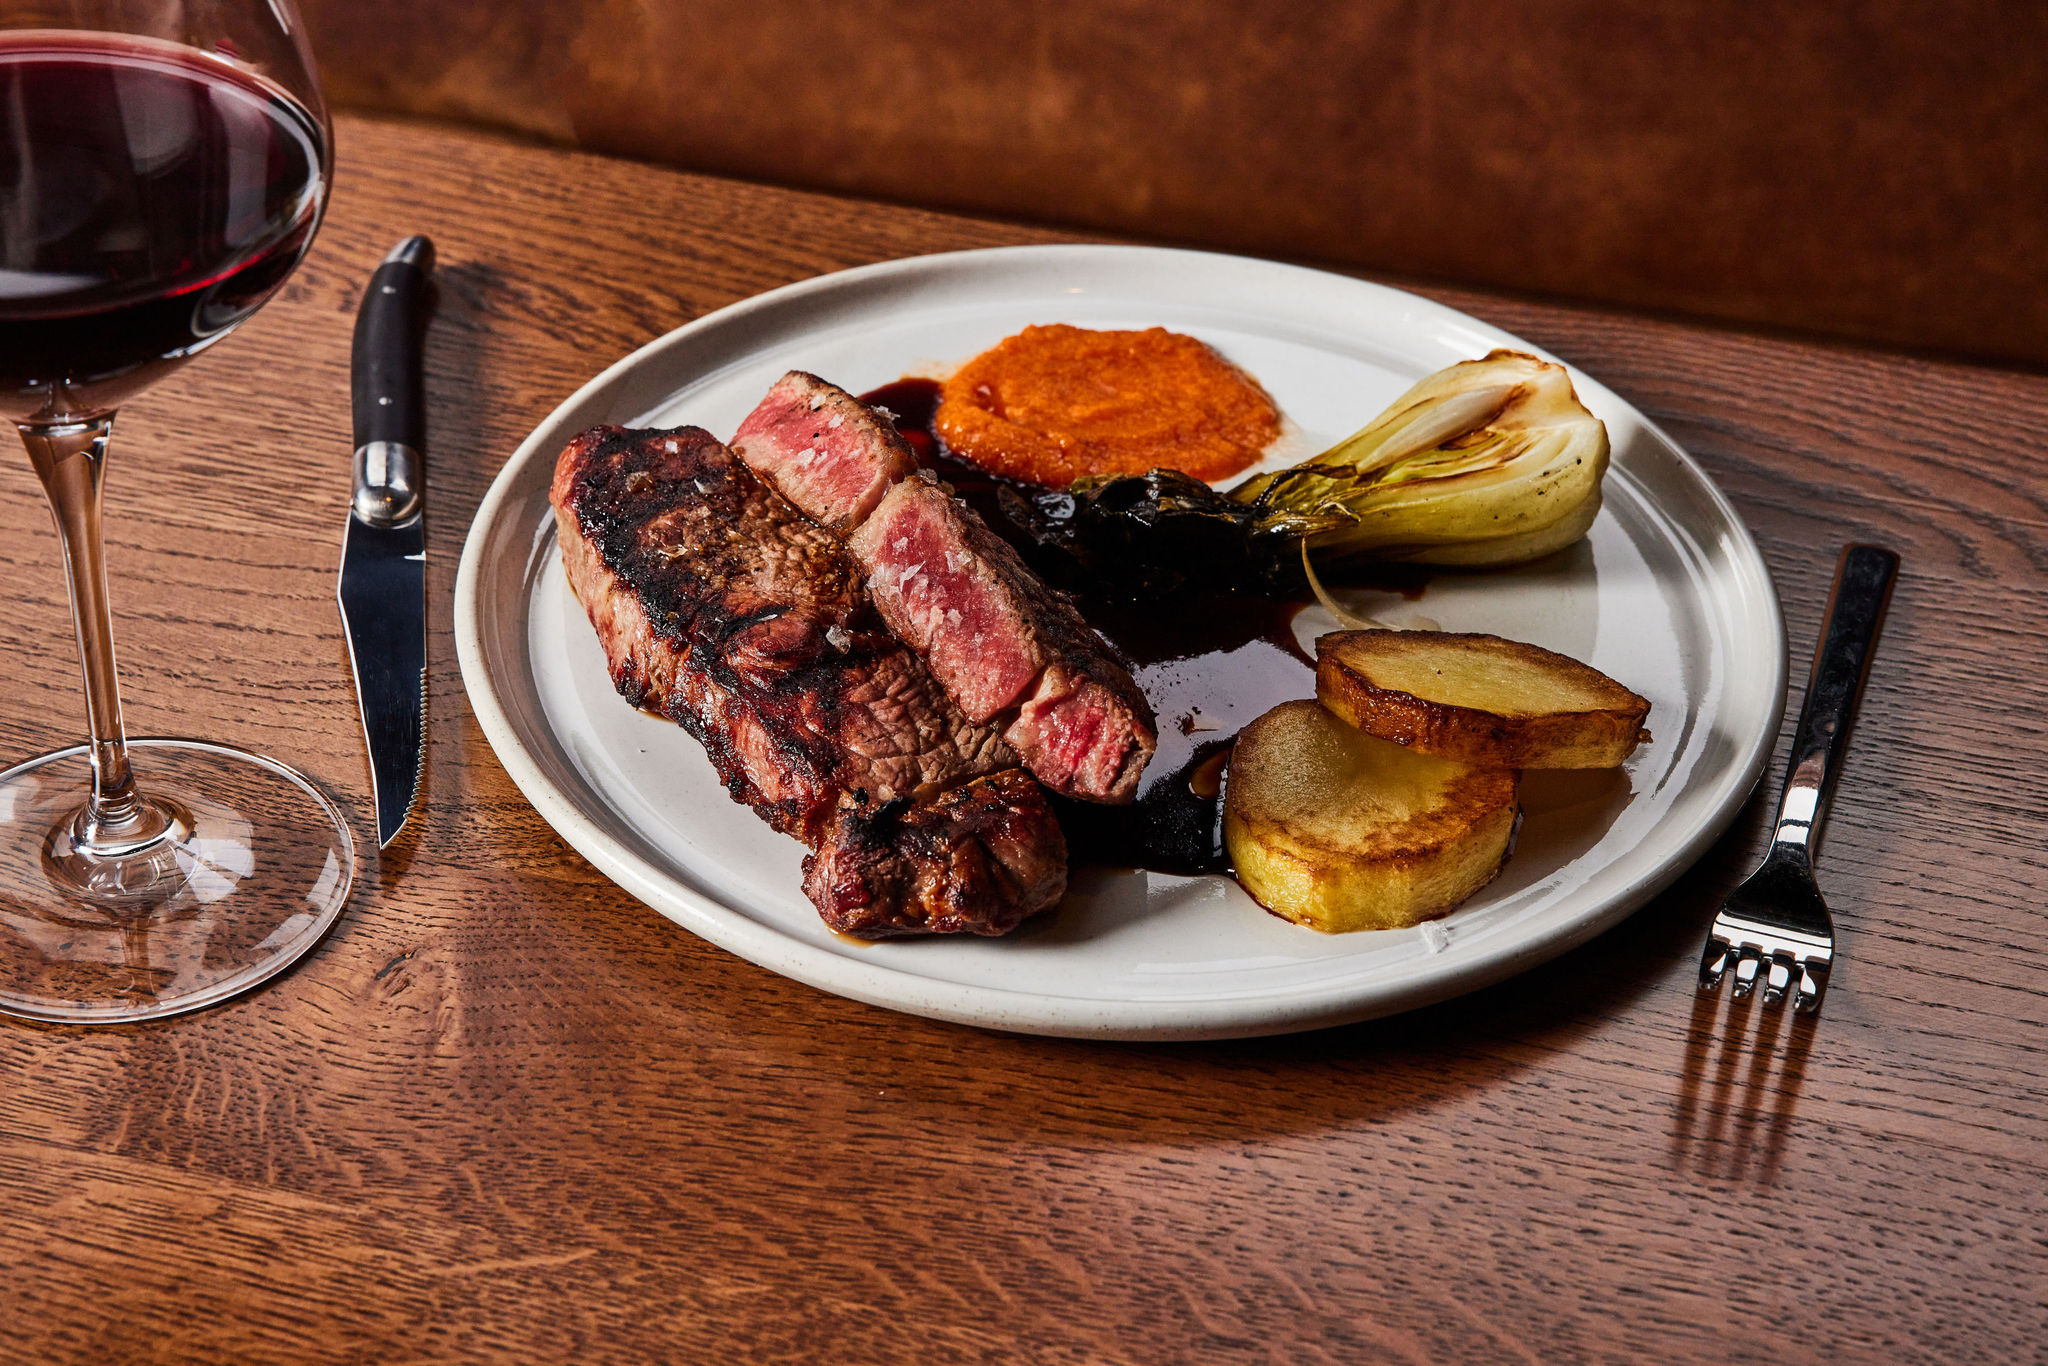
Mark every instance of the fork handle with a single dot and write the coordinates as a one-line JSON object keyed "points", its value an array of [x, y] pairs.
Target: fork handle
{"points": [[1841, 664]]}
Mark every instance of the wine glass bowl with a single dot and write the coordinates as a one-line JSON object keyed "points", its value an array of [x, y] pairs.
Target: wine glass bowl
{"points": [[156, 196], [163, 168]]}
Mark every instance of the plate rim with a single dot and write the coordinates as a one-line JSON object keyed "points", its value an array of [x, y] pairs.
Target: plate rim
{"points": [[1038, 1012]]}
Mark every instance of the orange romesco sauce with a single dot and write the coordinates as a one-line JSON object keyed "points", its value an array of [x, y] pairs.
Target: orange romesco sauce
{"points": [[1055, 403]]}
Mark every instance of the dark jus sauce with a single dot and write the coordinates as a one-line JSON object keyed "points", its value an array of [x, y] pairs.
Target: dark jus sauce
{"points": [[1209, 663]]}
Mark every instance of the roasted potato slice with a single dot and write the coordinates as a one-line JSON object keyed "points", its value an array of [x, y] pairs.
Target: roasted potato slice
{"points": [[1479, 699], [1338, 831]]}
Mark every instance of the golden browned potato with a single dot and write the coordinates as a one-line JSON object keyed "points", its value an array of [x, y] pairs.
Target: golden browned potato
{"points": [[1479, 699], [1338, 831]]}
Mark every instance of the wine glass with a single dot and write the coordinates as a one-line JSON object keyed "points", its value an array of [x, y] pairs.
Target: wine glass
{"points": [[163, 166]]}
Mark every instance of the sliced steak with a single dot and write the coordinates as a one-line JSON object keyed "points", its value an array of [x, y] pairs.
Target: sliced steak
{"points": [[1010, 651], [721, 607], [824, 450]]}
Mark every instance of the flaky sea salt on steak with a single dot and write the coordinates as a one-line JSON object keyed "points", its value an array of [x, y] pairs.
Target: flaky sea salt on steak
{"points": [[824, 450]]}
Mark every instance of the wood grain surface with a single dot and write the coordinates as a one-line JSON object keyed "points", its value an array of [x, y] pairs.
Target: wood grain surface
{"points": [[507, 1113]]}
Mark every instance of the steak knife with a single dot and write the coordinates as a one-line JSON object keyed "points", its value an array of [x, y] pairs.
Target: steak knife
{"points": [[383, 589]]}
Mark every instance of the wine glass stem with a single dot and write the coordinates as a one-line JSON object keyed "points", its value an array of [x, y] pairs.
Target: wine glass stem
{"points": [[70, 458]]}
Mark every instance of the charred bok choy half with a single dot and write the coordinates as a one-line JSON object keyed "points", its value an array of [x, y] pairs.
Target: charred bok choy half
{"points": [[1488, 462]]}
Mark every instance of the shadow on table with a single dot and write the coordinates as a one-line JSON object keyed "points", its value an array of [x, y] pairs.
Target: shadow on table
{"points": [[1618, 1004], [1744, 1066]]}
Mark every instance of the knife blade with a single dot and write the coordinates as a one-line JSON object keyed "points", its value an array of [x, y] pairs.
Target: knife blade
{"points": [[383, 587]]}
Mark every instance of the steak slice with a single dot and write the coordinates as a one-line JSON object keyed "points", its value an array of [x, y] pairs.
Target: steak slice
{"points": [[824, 450], [723, 609], [1009, 650]]}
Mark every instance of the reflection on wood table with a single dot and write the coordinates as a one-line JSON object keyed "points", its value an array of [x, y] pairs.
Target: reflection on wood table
{"points": [[506, 1111]]}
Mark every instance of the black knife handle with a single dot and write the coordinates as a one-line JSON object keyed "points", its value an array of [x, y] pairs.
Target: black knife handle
{"points": [[389, 394], [1841, 664]]}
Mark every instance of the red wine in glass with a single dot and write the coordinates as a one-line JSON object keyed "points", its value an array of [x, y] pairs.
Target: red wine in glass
{"points": [[154, 196]]}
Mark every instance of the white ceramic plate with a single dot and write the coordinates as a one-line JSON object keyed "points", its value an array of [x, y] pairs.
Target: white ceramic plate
{"points": [[1668, 595]]}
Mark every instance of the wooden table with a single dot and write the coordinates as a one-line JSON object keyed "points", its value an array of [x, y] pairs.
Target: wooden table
{"points": [[507, 1112]]}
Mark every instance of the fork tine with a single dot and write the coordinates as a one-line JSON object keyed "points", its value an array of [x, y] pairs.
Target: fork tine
{"points": [[1713, 963], [1813, 984], [1782, 969], [1745, 972]]}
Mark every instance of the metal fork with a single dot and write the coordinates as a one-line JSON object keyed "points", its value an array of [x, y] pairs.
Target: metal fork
{"points": [[1776, 922]]}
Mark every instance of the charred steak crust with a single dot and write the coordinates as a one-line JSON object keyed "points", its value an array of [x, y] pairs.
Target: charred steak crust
{"points": [[970, 860], [645, 521], [1008, 649], [722, 608]]}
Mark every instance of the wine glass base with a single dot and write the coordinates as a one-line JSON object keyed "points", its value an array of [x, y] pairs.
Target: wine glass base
{"points": [[252, 870]]}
